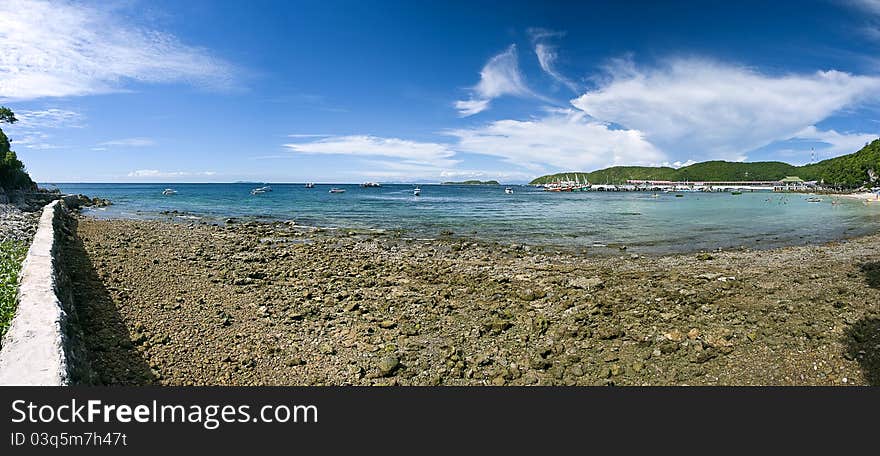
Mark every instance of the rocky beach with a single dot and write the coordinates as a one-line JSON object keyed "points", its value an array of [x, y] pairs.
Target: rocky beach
{"points": [[185, 303]]}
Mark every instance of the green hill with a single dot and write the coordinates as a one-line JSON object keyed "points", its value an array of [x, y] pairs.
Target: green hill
{"points": [[850, 171]]}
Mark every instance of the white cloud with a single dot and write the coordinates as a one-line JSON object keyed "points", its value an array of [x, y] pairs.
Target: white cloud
{"points": [[707, 109], [129, 142], [676, 164], [565, 139], [30, 130], [547, 56], [413, 152], [837, 143], [500, 76], [57, 49], [49, 118], [169, 174], [385, 170], [547, 59], [871, 6], [470, 107]]}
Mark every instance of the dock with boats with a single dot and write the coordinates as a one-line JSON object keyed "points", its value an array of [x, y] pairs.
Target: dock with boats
{"points": [[790, 183]]}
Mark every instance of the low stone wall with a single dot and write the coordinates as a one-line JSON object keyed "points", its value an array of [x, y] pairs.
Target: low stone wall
{"points": [[40, 348]]}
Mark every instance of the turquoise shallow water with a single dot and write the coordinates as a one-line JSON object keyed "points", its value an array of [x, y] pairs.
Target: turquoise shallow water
{"points": [[696, 221]]}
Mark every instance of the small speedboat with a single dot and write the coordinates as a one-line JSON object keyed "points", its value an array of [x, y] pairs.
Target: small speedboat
{"points": [[169, 191], [257, 191], [814, 199], [337, 190], [310, 185], [508, 191], [417, 191], [265, 188]]}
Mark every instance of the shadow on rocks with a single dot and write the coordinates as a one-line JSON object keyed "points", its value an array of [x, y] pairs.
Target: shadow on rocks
{"points": [[863, 345], [872, 273], [112, 357]]}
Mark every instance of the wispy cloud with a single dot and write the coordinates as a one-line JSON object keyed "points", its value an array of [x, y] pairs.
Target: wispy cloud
{"points": [[566, 139], [155, 173], [871, 6], [547, 55], [49, 118], [129, 142], [707, 109], [30, 132], [836, 143], [412, 152], [57, 49], [500, 76]]}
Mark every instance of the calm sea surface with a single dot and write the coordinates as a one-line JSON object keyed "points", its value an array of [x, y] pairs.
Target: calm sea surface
{"points": [[573, 220]]}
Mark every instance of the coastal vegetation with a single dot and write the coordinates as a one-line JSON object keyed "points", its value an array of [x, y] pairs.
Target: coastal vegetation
{"points": [[847, 171], [11, 255], [13, 175], [473, 182]]}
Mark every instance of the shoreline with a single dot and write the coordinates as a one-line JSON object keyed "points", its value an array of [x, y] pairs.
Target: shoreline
{"points": [[864, 196], [651, 248], [267, 304]]}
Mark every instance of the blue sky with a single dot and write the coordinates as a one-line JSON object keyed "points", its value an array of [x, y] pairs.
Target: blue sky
{"points": [[327, 91]]}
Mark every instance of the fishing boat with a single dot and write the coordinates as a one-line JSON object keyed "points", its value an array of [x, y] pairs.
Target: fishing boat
{"points": [[169, 191], [337, 190], [310, 185], [508, 191], [417, 191]]}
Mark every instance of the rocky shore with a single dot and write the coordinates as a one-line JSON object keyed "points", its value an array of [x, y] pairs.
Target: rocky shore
{"points": [[274, 304], [17, 225]]}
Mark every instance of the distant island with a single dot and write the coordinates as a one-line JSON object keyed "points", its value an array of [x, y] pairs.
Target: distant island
{"points": [[847, 171], [473, 182]]}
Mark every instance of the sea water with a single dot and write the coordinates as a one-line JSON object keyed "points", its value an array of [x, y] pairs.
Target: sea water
{"points": [[593, 220]]}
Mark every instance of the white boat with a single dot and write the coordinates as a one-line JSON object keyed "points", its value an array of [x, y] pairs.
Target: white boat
{"points": [[337, 190], [508, 191], [814, 199], [371, 185], [310, 185], [265, 188], [257, 191], [169, 191], [417, 191]]}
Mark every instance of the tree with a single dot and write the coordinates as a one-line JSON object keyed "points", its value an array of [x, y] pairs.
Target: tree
{"points": [[12, 172], [6, 115]]}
